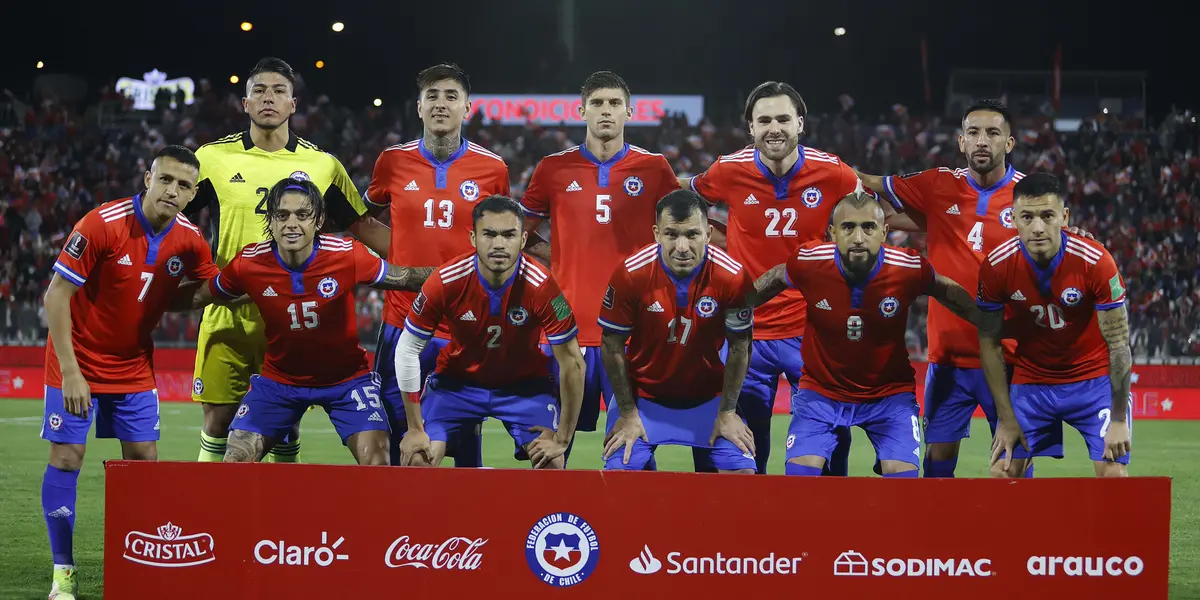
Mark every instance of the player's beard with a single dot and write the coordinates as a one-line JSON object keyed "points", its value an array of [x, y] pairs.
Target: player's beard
{"points": [[790, 142], [994, 161], [859, 263]]}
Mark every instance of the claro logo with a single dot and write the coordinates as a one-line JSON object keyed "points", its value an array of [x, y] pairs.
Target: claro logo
{"points": [[1080, 566], [270, 552]]}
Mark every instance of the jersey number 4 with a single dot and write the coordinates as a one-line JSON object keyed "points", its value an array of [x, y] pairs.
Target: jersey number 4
{"points": [[309, 311], [975, 238]]}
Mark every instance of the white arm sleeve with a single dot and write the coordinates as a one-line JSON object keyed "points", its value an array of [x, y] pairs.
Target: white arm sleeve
{"points": [[408, 361]]}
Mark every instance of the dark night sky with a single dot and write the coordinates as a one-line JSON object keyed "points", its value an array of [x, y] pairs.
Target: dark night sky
{"points": [[718, 48]]}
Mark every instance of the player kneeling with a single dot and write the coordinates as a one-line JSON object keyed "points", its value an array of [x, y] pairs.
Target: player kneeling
{"points": [[856, 367], [303, 284], [676, 303], [497, 302]]}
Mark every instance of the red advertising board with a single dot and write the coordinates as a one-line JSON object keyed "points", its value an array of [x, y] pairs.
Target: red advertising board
{"points": [[318, 531]]}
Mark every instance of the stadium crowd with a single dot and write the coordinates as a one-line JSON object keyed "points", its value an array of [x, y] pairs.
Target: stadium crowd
{"points": [[1136, 189]]}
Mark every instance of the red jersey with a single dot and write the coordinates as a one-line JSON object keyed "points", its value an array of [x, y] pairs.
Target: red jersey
{"points": [[854, 350], [308, 313], [964, 223], [1052, 311], [431, 203], [677, 326], [770, 217], [494, 333], [127, 276], [600, 213]]}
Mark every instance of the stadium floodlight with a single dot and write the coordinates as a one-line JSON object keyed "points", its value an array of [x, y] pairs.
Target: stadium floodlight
{"points": [[41, 64], [839, 31], [338, 26], [320, 64], [1106, 110], [233, 79], [378, 102], [247, 25]]}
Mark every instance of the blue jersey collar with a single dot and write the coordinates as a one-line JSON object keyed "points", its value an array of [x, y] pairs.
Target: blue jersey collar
{"points": [[496, 295], [780, 183], [441, 167], [1045, 275], [857, 288], [153, 240], [297, 274], [984, 194], [606, 166], [681, 283]]}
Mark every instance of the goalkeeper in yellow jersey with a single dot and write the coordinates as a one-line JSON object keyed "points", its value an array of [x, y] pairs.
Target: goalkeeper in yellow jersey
{"points": [[236, 173]]}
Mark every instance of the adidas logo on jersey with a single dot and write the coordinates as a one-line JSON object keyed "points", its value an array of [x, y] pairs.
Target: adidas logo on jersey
{"points": [[574, 187], [1017, 295], [237, 178], [412, 186], [468, 316], [375, 417], [125, 261], [751, 199], [656, 307], [269, 292], [824, 305], [953, 210]]}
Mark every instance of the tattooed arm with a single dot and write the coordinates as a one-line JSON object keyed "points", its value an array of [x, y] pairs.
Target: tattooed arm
{"points": [[408, 279], [769, 285], [245, 446], [991, 358], [617, 365], [955, 298], [1114, 326]]}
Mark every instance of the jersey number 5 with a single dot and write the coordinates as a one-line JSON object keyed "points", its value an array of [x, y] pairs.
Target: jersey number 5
{"points": [[309, 311]]}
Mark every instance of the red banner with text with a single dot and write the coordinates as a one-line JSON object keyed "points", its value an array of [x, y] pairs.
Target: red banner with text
{"points": [[1159, 391], [318, 531]]}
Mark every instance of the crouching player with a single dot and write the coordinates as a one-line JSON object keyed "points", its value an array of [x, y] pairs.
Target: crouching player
{"points": [[1066, 306], [676, 303], [303, 285], [497, 302], [856, 367]]}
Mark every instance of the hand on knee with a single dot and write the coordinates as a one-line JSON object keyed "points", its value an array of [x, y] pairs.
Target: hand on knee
{"points": [[1111, 469], [1016, 470], [555, 463]]}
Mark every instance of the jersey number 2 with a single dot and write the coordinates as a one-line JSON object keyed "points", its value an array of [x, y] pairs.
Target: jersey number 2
{"points": [[309, 311], [261, 209]]}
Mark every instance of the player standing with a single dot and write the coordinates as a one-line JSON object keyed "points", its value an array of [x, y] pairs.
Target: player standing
{"points": [[967, 213], [431, 185], [780, 195], [856, 369], [497, 303], [677, 302], [236, 174], [1065, 303], [117, 274], [303, 284], [600, 199]]}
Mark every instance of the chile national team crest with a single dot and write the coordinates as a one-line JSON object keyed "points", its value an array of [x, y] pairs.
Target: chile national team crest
{"points": [[1006, 218], [633, 185], [174, 266], [889, 306], [301, 175], [706, 306], [469, 190], [811, 197], [562, 549], [517, 316], [55, 421], [1071, 296], [198, 386], [328, 287]]}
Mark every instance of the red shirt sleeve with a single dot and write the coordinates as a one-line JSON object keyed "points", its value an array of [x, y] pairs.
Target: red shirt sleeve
{"points": [[991, 287], [709, 183], [228, 282], [619, 304], [202, 266], [910, 190], [555, 315], [427, 309], [739, 317], [668, 182], [505, 183], [535, 202], [927, 273], [368, 268], [87, 245], [1106, 284], [377, 190]]}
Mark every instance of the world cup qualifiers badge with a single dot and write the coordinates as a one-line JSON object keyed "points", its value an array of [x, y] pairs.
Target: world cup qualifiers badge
{"points": [[706, 306], [811, 197], [174, 266], [1006, 218], [328, 287], [562, 549], [469, 190], [1071, 296], [633, 185], [889, 306]]}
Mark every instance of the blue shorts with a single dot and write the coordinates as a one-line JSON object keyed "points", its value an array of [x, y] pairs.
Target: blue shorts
{"points": [[1084, 405], [676, 426], [385, 366], [451, 404], [768, 360], [891, 423], [596, 387], [129, 417], [272, 408], [951, 395]]}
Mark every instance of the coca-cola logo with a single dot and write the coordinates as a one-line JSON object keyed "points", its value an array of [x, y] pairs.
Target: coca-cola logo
{"points": [[168, 548], [459, 553]]}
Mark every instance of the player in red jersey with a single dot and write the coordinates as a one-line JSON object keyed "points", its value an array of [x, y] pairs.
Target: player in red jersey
{"points": [[118, 272], [856, 369], [430, 186], [1065, 305], [599, 198], [676, 303], [497, 303], [780, 195], [303, 285], [967, 213]]}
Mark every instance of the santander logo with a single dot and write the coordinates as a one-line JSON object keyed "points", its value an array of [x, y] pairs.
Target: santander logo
{"points": [[460, 553], [169, 548]]}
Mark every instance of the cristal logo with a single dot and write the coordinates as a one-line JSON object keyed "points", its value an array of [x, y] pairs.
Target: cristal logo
{"points": [[854, 564], [169, 548], [1092, 566], [269, 552], [460, 553], [645, 563]]}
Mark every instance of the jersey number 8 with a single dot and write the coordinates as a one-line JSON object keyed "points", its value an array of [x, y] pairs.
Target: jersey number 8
{"points": [[854, 326]]}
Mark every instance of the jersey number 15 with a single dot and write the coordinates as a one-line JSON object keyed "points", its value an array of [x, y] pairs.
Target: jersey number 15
{"points": [[309, 311]]}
